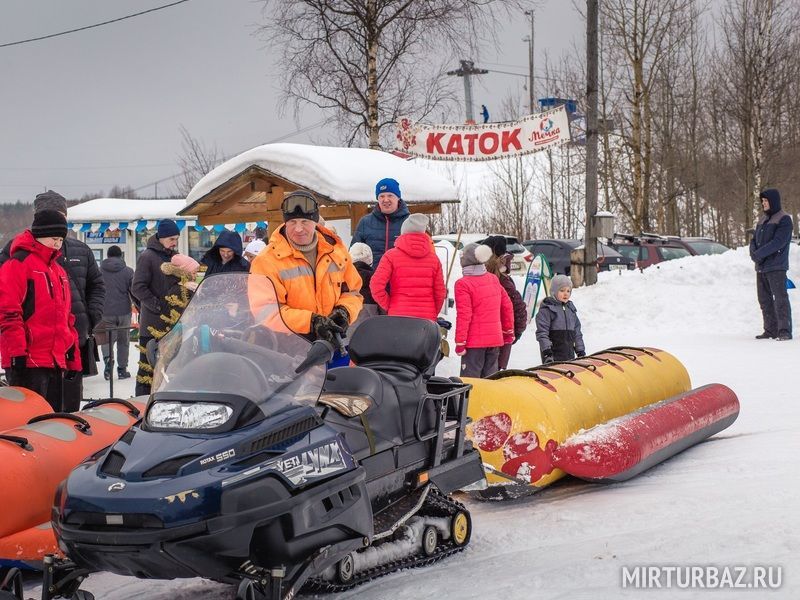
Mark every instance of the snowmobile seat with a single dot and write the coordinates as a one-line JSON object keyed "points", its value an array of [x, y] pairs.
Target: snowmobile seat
{"points": [[404, 351], [373, 430]]}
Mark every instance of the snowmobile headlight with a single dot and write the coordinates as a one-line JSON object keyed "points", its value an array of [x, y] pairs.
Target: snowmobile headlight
{"points": [[197, 415]]}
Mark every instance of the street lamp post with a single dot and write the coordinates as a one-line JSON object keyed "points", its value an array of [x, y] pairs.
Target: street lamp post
{"points": [[529, 39]]}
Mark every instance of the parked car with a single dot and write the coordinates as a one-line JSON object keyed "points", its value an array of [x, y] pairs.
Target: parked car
{"points": [[557, 253], [521, 256], [699, 245], [648, 250]]}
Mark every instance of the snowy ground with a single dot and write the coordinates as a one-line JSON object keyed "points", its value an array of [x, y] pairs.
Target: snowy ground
{"points": [[729, 502]]}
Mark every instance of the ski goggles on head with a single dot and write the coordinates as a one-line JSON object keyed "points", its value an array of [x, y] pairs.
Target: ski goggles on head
{"points": [[300, 205]]}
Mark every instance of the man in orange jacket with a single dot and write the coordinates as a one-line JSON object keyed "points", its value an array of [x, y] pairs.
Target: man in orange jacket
{"points": [[315, 281]]}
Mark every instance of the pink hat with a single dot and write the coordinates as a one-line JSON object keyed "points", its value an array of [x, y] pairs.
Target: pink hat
{"points": [[186, 263]]}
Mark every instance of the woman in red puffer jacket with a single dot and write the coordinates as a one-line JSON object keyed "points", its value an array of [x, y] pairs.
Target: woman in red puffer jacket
{"points": [[412, 272], [485, 319], [38, 339]]}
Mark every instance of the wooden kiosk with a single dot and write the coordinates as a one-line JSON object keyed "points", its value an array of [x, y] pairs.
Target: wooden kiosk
{"points": [[251, 186]]}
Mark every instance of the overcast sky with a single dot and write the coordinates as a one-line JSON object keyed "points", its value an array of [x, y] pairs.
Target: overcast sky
{"points": [[83, 112]]}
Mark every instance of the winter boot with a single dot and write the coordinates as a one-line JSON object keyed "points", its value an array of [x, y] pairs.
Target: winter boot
{"points": [[123, 373], [765, 336], [783, 336], [107, 370]]}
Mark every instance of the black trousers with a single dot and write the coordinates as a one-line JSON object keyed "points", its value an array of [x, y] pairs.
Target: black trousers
{"points": [[479, 362], [45, 382], [774, 302]]}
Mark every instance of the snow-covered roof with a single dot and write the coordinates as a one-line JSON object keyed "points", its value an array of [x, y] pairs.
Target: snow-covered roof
{"points": [[341, 174], [138, 214], [124, 209]]}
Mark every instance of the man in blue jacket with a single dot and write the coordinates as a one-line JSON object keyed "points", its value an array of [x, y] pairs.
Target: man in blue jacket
{"points": [[769, 250], [380, 228]]}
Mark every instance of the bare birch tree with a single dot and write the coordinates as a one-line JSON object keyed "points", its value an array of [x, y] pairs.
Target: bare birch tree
{"points": [[367, 62], [197, 160]]}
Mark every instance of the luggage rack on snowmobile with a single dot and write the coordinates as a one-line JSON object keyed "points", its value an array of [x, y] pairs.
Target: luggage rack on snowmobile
{"points": [[452, 403]]}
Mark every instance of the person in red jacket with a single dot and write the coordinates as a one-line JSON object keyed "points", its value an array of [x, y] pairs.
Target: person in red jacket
{"points": [[485, 316], [38, 339], [412, 272]]}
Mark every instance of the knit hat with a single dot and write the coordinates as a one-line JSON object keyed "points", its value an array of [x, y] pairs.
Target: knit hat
{"points": [[475, 254], [49, 223], [387, 185], [300, 205], [416, 223], [114, 251], [361, 252], [167, 228], [185, 263], [50, 200], [255, 247], [497, 243], [559, 281]]}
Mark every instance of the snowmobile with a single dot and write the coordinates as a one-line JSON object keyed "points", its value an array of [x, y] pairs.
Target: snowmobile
{"points": [[254, 465]]}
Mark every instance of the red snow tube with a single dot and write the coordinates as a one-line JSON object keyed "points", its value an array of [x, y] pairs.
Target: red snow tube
{"points": [[36, 457], [626, 446], [18, 405]]}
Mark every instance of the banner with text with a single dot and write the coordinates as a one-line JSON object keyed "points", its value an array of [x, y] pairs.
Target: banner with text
{"points": [[484, 142]]}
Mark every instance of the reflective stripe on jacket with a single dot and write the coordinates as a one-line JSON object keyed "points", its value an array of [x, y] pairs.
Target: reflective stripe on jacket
{"points": [[303, 291]]}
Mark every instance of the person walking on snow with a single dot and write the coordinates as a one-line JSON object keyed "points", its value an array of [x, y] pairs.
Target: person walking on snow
{"points": [[225, 256], [558, 328], [769, 250], [380, 228], [485, 317], [413, 274], [114, 329], [39, 343]]}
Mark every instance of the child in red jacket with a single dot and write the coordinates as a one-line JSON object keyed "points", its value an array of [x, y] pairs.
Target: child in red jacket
{"points": [[38, 339], [485, 319], [413, 273]]}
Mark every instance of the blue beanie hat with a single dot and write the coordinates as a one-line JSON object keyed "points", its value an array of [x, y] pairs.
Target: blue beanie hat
{"points": [[166, 228], [387, 185]]}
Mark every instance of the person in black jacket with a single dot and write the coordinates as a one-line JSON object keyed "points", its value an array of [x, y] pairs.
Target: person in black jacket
{"points": [[769, 250], [88, 294], [225, 256], [150, 286], [500, 265], [116, 323]]}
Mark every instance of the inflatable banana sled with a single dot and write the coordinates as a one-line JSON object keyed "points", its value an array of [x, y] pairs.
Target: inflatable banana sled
{"points": [[36, 458], [624, 447], [513, 410], [18, 405]]}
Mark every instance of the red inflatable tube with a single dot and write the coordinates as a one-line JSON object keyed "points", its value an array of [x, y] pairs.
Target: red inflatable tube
{"points": [[18, 405], [624, 447], [36, 457]]}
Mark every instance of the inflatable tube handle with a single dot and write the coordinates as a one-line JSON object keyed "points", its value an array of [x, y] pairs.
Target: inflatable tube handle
{"points": [[632, 357], [82, 424], [567, 373], [645, 350], [20, 441], [132, 410]]}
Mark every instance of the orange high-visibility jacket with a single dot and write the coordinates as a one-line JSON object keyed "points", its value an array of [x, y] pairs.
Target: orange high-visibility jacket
{"points": [[303, 291]]}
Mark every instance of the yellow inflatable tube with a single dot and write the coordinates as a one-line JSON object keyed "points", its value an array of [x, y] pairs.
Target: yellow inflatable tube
{"points": [[515, 412]]}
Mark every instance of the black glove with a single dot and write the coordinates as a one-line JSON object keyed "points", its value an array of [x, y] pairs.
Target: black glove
{"points": [[444, 323], [547, 357], [341, 317], [70, 353], [516, 337], [70, 375], [581, 353], [324, 328], [18, 363]]}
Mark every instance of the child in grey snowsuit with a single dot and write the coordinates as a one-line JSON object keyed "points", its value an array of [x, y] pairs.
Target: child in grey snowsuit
{"points": [[558, 328]]}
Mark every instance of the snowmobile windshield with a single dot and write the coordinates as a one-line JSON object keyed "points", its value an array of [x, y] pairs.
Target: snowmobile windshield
{"points": [[231, 347]]}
